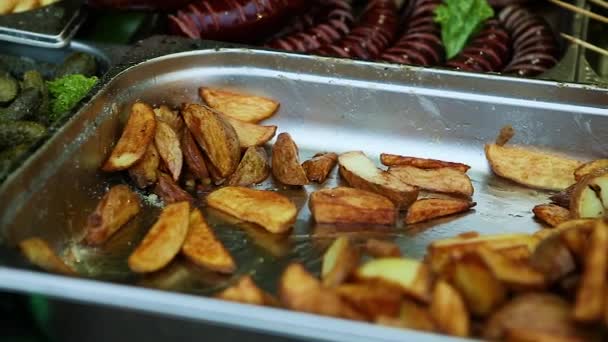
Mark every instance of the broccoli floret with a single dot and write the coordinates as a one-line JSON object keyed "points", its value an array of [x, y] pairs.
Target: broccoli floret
{"points": [[67, 91]]}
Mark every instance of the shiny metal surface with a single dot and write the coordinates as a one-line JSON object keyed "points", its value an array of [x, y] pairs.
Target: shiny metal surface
{"points": [[326, 105]]}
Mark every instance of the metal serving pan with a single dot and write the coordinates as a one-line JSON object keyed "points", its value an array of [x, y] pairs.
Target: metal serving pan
{"points": [[326, 104]]}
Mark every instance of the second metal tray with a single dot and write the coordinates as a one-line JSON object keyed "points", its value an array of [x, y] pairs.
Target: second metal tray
{"points": [[326, 104]]}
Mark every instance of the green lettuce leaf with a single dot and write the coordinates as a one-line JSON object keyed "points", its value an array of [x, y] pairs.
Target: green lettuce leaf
{"points": [[459, 20], [67, 91]]}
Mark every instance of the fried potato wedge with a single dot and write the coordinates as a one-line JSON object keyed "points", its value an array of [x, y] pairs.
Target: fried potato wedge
{"points": [[505, 135], [410, 276], [593, 167], [246, 291], [169, 149], [39, 253], [519, 275], [145, 172], [301, 291], [240, 106], [169, 191], [590, 196], [360, 172], [431, 208], [411, 316], [551, 214], [480, 289], [116, 208], [445, 180], [372, 300], [170, 117], [563, 197], [534, 169], [516, 253], [286, 166], [203, 248], [534, 313], [381, 248], [136, 136], [252, 169], [449, 311], [272, 211], [215, 135], [319, 167], [163, 241], [339, 262], [251, 134], [344, 205], [420, 163], [553, 258], [590, 297], [441, 251], [195, 161]]}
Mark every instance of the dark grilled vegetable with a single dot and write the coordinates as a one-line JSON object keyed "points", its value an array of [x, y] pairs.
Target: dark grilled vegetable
{"points": [[78, 63], [19, 132], [9, 156], [33, 79], [9, 87], [24, 107]]}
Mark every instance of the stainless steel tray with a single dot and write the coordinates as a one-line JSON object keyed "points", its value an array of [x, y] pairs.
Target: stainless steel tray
{"points": [[326, 104]]}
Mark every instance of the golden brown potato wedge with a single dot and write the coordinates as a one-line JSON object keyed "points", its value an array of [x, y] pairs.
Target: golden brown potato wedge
{"points": [[590, 196], [480, 289], [540, 314], [381, 248], [7, 6], [431, 208], [215, 135], [516, 253], [589, 304], [344, 205], [253, 168], [553, 258], [593, 167], [563, 197], [410, 276], [116, 208], [505, 135], [411, 316], [145, 172], [445, 180], [169, 149], [39, 253], [163, 241], [203, 248], [194, 158], [251, 134], [170, 117], [169, 191], [319, 167], [301, 291], [551, 214], [136, 136], [372, 300], [25, 5], [421, 163], [246, 291], [339, 262], [449, 311], [360, 172], [240, 106], [517, 274], [286, 166], [272, 211], [531, 168], [441, 251]]}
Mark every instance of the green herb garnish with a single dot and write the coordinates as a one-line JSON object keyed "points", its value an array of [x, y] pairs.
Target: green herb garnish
{"points": [[459, 20], [67, 91]]}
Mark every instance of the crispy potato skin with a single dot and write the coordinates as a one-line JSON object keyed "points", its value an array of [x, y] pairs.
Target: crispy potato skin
{"points": [[163, 241], [203, 248], [445, 180], [372, 300], [171, 118], [250, 134], [411, 316], [515, 273], [286, 166], [421, 163], [194, 158], [344, 205], [243, 107], [339, 262], [246, 291], [39, 253], [431, 208], [551, 214], [553, 258], [596, 166], [589, 196], [319, 167], [169, 191], [563, 197], [449, 311], [116, 208], [215, 136], [169, 149], [136, 136], [145, 172], [253, 168], [272, 211]]}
